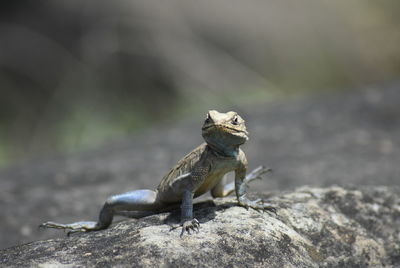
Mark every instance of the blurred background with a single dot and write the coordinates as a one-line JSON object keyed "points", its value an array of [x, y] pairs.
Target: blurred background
{"points": [[78, 74], [100, 97]]}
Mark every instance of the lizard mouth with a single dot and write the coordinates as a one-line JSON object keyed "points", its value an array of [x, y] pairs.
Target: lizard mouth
{"points": [[227, 129], [220, 135]]}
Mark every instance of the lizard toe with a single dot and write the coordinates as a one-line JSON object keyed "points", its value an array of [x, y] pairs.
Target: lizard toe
{"points": [[189, 226]]}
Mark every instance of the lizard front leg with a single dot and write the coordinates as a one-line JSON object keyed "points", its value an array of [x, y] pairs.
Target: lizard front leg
{"points": [[189, 184], [241, 190], [223, 189], [187, 221]]}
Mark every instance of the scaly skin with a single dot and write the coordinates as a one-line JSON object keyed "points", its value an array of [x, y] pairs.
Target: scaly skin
{"points": [[200, 171]]}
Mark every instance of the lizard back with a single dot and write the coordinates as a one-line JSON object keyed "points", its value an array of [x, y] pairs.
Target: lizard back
{"points": [[185, 165]]}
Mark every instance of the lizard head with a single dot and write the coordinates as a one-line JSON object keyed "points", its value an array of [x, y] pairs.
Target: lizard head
{"points": [[223, 130]]}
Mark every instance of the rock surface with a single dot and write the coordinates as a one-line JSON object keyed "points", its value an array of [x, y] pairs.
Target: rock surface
{"points": [[314, 227]]}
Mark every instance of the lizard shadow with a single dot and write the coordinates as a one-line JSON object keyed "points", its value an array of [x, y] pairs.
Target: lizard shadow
{"points": [[203, 211]]}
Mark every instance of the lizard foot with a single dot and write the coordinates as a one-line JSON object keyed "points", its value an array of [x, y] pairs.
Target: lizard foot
{"points": [[258, 205], [82, 226], [190, 225], [256, 174]]}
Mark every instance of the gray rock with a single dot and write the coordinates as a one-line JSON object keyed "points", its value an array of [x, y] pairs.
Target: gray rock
{"points": [[314, 227]]}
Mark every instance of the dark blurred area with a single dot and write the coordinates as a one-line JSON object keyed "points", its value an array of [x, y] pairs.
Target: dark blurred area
{"points": [[75, 74]]}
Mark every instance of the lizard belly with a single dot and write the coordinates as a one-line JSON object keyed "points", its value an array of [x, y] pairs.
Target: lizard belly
{"points": [[209, 183]]}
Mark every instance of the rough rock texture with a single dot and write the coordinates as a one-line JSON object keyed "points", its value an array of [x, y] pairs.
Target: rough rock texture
{"points": [[342, 138], [314, 227]]}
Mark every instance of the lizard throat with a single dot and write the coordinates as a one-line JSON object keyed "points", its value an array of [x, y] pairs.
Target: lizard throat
{"points": [[232, 151]]}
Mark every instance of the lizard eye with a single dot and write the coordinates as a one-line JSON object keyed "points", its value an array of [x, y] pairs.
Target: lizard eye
{"points": [[207, 119], [235, 121]]}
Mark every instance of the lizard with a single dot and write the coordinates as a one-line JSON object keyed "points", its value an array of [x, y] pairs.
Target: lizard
{"points": [[200, 171]]}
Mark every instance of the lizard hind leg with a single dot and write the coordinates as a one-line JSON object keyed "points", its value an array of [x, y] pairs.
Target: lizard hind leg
{"points": [[139, 200], [256, 174]]}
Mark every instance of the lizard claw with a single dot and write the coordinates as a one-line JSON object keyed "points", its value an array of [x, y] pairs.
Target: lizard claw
{"points": [[258, 205], [190, 225]]}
